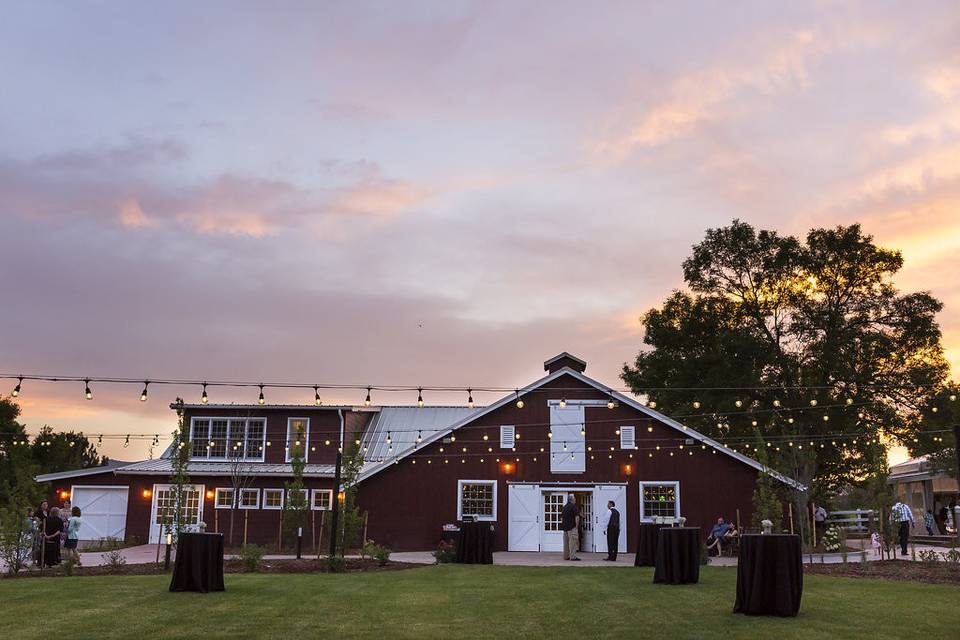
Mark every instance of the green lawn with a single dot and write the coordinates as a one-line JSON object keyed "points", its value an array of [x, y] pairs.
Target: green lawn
{"points": [[469, 601]]}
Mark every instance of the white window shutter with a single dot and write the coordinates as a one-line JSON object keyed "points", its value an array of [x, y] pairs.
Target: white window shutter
{"points": [[628, 438], [507, 436]]}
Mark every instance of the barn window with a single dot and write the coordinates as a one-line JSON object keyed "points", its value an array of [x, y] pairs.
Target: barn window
{"points": [[298, 437], [224, 499], [477, 498], [508, 436], [227, 438], [273, 498], [628, 438], [322, 500], [659, 499], [249, 498]]}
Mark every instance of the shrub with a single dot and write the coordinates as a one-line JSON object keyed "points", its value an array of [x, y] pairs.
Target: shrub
{"points": [[378, 552], [108, 544], [68, 566], [16, 543], [928, 555], [335, 564], [952, 556], [832, 540], [250, 556], [115, 561], [445, 552]]}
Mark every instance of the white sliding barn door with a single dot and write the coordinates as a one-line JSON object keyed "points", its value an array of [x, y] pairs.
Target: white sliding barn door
{"points": [[523, 514], [601, 494]]}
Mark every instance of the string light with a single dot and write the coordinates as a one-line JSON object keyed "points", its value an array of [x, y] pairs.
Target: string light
{"points": [[470, 398], [610, 403], [143, 394], [203, 396], [86, 391], [563, 403], [696, 404], [366, 401], [653, 404], [419, 437], [738, 403], [316, 396], [16, 389], [260, 400], [389, 438], [776, 403], [813, 402], [519, 399], [420, 397], [126, 443]]}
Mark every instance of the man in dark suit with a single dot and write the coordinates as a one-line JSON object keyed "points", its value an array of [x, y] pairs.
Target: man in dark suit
{"points": [[613, 532]]}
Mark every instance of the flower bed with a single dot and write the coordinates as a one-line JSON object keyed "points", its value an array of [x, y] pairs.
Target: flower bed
{"points": [[900, 570]]}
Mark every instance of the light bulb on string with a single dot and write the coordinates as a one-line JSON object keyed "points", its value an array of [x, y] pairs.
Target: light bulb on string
{"points": [[316, 396], [100, 440], [696, 404], [143, 394], [738, 403], [470, 398], [849, 401], [610, 403], [126, 443], [86, 391], [813, 402], [453, 437], [16, 389], [776, 403], [366, 401], [419, 437], [260, 399], [203, 396], [389, 438], [563, 403], [653, 404], [420, 397], [519, 399], [953, 397]]}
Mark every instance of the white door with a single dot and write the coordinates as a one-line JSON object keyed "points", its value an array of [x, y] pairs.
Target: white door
{"points": [[588, 531], [602, 494], [567, 451], [523, 511], [103, 511], [551, 536], [162, 509]]}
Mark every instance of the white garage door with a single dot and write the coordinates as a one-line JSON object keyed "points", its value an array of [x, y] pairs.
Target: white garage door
{"points": [[103, 511]]}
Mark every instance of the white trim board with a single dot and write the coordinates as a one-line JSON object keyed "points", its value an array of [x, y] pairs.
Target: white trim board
{"points": [[630, 402]]}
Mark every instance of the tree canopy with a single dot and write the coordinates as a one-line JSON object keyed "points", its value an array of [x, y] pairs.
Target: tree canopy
{"points": [[808, 342]]}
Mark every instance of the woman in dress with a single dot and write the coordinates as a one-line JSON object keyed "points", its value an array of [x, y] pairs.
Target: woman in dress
{"points": [[39, 518], [73, 535], [52, 528]]}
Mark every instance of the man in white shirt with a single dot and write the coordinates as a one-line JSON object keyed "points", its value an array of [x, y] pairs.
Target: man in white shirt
{"points": [[903, 515]]}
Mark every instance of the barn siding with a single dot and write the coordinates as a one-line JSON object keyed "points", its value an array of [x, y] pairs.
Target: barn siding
{"points": [[409, 503]]}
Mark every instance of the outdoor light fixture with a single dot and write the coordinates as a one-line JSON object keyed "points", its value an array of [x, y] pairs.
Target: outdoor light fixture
{"points": [[653, 404], [420, 397], [147, 493], [563, 403], [366, 401], [739, 403], [143, 394], [610, 403], [86, 392], [16, 389], [696, 404], [316, 397], [260, 400], [470, 398], [813, 402], [519, 399], [776, 403], [209, 495], [203, 396]]}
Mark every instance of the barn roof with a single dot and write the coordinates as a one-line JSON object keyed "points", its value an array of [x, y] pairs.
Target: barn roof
{"points": [[161, 466], [108, 466], [403, 425], [373, 468]]}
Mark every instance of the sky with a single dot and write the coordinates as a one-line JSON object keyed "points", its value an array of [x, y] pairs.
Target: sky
{"points": [[432, 193]]}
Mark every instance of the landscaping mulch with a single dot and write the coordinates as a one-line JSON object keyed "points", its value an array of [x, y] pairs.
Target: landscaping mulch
{"points": [[233, 565], [897, 570]]}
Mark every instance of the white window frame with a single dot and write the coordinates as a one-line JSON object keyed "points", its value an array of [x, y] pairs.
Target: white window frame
{"points": [[306, 444], [306, 493], [660, 483], [272, 490], [313, 499], [216, 497], [240, 504], [246, 438], [625, 442], [460, 513], [508, 436]]}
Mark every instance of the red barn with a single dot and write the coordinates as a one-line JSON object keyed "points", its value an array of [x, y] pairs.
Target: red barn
{"points": [[510, 463]]}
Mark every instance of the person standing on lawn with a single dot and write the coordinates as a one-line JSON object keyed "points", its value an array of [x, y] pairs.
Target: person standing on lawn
{"points": [[613, 532], [903, 515], [52, 528], [73, 535], [820, 520], [570, 525]]}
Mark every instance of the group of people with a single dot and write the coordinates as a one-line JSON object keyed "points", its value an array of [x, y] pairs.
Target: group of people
{"points": [[570, 525], [722, 534], [52, 528]]}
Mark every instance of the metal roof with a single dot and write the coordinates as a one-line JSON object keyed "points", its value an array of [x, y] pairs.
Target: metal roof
{"points": [[403, 425], [110, 465], [161, 466]]}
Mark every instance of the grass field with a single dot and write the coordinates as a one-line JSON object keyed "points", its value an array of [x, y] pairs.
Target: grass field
{"points": [[467, 601]]}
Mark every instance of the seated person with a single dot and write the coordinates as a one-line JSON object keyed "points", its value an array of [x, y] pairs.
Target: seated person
{"points": [[717, 533], [731, 533]]}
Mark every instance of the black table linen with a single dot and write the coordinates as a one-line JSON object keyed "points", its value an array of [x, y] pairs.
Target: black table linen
{"points": [[769, 575], [678, 556], [647, 538], [475, 543], [199, 564]]}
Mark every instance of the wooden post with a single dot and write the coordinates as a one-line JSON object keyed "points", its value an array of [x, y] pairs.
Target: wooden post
{"points": [[813, 523], [790, 509], [313, 528], [246, 515], [280, 533]]}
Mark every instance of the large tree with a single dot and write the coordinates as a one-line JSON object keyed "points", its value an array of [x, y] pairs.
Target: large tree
{"points": [[63, 451], [17, 466], [808, 339]]}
